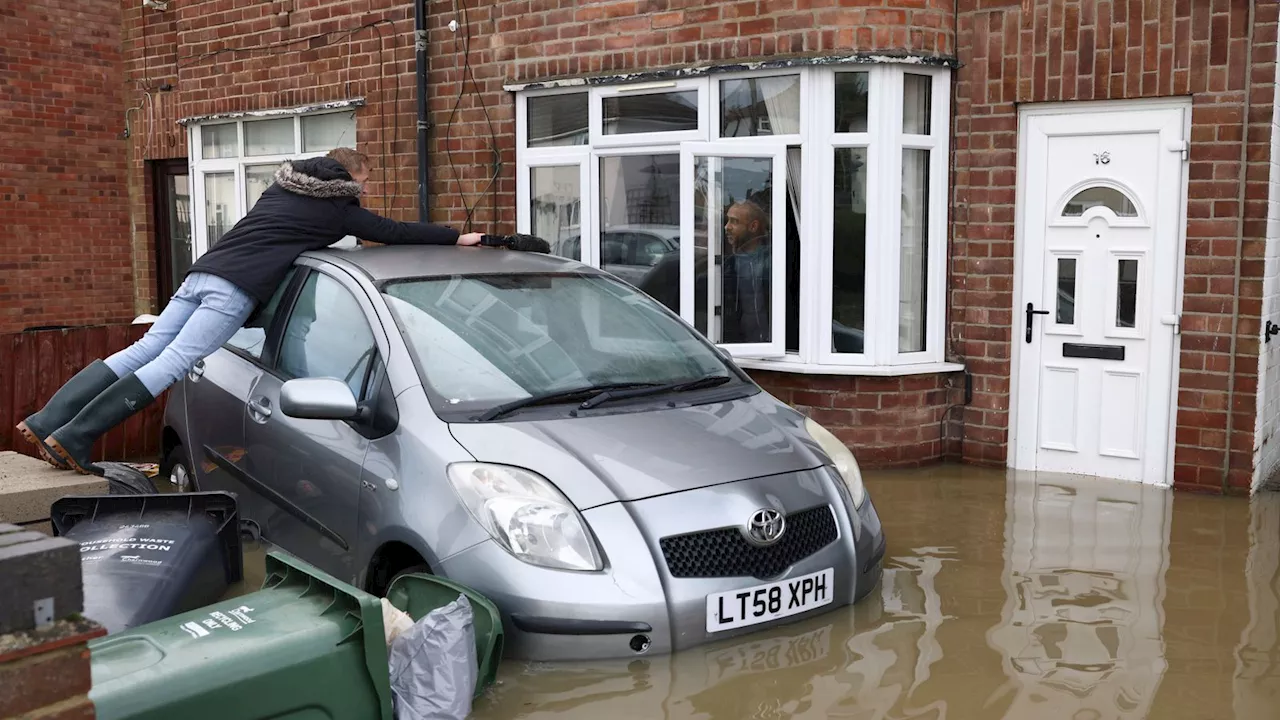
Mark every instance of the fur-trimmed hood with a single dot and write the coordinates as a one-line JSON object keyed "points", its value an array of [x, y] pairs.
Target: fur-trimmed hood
{"points": [[317, 178]]}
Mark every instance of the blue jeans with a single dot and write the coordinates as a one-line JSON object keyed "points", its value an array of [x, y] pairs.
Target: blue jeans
{"points": [[200, 318]]}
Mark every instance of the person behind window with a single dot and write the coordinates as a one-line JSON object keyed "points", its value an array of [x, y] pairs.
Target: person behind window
{"points": [[312, 204], [748, 274]]}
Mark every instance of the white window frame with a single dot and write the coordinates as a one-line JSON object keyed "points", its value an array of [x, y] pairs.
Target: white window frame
{"points": [[198, 166], [777, 153], [597, 227], [567, 157], [818, 141], [659, 87]]}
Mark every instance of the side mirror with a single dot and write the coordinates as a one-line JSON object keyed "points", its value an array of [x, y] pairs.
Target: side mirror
{"points": [[318, 399]]}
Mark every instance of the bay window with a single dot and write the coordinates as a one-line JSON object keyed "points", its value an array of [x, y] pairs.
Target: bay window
{"points": [[796, 217], [233, 161]]}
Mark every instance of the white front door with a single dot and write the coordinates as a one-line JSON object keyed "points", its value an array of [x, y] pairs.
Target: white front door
{"points": [[1095, 319]]}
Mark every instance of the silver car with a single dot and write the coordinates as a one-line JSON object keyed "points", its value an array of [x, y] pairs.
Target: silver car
{"points": [[533, 428]]}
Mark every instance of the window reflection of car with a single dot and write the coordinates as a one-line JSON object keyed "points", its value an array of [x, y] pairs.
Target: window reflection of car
{"points": [[630, 251], [535, 429]]}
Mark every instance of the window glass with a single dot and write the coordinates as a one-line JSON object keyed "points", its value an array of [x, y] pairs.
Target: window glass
{"points": [[257, 178], [321, 133], [738, 221], [852, 95], [640, 202], [1066, 304], [1127, 294], [917, 90], [220, 211], [794, 249], [760, 106], [557, 120], [484, 340], [327, 336], [849, 252], [268, 137], [251, 338], [1100, 196], [651, 113], [913, 267], [555, 208], [218, 141]]}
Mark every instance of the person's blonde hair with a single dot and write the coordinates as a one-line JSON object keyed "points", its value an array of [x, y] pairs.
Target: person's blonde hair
{"points": [[353, 160]]}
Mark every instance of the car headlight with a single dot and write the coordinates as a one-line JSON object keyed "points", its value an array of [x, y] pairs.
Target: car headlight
{"points": [[840, 456], [526, 514]]}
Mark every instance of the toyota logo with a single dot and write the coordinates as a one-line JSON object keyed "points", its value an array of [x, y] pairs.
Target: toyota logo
{"points": [[766, 527]]}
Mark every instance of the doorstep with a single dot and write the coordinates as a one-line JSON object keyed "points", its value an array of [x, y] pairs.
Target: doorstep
{"points": [[28, 487]]}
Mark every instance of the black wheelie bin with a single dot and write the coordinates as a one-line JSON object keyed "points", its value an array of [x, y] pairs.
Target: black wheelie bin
{"points": [[147, 557]]}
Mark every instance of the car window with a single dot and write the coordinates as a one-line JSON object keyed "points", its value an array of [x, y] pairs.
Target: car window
{"points": [[327, 335], [483, 340], [252, 338]]}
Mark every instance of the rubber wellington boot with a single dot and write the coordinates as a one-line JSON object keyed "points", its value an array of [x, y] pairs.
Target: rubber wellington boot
{"points": [[74, 441], [69, 400]]}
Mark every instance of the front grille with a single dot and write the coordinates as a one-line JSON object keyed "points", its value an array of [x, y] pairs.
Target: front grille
{"points": [[726, 553]]}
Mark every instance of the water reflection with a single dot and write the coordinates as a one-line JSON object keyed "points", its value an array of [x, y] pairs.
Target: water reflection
{"points": [[1084, 578], [1003, 597]]}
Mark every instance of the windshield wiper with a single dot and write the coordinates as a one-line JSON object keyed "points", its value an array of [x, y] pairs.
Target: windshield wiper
{"points": [[557, 396], [682, 386]]}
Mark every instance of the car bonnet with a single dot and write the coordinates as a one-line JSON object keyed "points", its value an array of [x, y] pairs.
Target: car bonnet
{"points": [[622, 456]]}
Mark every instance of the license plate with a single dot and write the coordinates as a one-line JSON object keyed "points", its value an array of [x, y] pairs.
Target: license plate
{"points": [[763, 603]]}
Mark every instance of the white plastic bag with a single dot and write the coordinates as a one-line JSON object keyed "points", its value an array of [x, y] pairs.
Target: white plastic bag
{"points": [[433, 665], [394, 621]]}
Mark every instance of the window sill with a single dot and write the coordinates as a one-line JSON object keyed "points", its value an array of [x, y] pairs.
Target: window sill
{"points": [[799, 368]]}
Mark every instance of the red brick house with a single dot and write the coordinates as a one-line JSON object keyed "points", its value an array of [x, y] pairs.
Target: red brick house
{"points": [[1035, 233]]}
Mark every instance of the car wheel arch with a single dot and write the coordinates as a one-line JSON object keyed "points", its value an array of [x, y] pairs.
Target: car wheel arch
{"points": [[392, 557]]}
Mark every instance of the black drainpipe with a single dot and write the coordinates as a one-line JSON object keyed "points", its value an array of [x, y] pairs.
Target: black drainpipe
{"points": [[420, 56]]}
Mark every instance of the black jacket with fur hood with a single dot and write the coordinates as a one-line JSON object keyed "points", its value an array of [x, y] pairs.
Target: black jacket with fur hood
{"points": [[312, 204]]}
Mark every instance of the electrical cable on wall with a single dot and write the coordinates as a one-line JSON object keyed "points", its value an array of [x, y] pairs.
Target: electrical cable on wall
{"points": [[331, 37], [461, 8]]}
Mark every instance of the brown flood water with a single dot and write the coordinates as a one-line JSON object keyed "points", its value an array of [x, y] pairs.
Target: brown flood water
{"points": [[1004, 596]]}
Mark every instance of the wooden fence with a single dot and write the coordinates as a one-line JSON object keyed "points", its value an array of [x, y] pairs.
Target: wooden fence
{"points": [[34, 364]]}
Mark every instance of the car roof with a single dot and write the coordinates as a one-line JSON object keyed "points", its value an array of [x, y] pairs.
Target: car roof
{"points": [[396, 262]]}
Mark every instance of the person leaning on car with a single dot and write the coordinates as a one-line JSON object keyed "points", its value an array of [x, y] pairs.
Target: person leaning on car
{"points": [[312, 204]]}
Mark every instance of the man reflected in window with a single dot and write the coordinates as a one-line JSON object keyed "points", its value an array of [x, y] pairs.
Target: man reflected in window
{"points": [[748, 273]]}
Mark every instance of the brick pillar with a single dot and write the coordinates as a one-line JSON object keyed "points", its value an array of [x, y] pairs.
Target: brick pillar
{"points": [[44, 654]]}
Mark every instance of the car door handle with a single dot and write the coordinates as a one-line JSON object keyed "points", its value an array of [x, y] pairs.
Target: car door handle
{"points": [[260, 409], [197, 371]]}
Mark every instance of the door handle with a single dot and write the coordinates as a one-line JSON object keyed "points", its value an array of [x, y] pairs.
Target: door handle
{"points": [[260, 407], [1031, 316], [197, 371]]}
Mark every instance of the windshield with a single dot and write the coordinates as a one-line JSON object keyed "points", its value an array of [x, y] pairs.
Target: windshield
{"points": [[486, 340]]}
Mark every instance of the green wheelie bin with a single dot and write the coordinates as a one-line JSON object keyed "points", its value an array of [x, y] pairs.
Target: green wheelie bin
{"points": [[305, 646]]}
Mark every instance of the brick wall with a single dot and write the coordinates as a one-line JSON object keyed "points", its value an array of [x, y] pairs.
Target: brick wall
{"points": [[63, 252], [1267, 446], [237, 55], [223, 56], [1021, 52], [526, 40], [892, 421], [240, 55]]}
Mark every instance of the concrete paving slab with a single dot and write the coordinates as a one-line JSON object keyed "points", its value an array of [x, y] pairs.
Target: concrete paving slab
{"points": [[29, 486]]}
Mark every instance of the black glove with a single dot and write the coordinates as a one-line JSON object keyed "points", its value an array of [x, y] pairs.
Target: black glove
{"points": [[519, 241]]}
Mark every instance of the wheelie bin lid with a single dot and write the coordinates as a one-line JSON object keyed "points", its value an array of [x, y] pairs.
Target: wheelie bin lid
{"points": [[419, 593]]}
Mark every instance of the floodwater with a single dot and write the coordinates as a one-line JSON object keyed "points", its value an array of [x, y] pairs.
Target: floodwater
{"points": [[1004, 596]]}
